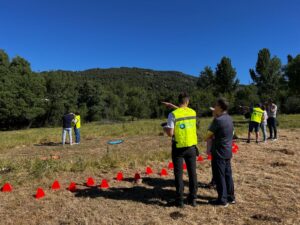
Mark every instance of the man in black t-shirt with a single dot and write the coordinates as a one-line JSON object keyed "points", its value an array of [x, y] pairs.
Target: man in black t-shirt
{"points": [[222, 129], [67, 127]]}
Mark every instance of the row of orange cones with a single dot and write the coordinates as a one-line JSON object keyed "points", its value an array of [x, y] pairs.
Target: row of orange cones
{"points": [[7, 187], [104, 184]]}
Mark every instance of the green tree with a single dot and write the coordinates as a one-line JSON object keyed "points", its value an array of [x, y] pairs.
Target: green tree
{"points": [[293, 75], [206, 79], [267, 75], [225, 81]]}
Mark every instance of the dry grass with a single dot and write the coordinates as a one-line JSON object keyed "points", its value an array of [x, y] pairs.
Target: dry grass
{"points": [[267, 182]]}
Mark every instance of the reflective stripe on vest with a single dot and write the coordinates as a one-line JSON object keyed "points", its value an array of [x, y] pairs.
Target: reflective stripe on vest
{"points": [[256, 115], [185, 130]]}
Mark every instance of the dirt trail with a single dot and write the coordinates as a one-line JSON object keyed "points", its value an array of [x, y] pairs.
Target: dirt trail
{"points": [[267, 184]]}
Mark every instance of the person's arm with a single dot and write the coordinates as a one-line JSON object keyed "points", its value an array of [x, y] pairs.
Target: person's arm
{"points": [[169, 131], [170, 105], [209, 135], [211, 130], [169, 128]]}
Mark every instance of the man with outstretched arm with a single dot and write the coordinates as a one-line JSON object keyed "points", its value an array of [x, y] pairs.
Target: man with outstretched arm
{"points": [[181, 126]]}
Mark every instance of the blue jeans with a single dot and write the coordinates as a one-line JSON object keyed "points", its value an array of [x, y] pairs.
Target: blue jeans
{"points": [[77, 135], [65, 130]]}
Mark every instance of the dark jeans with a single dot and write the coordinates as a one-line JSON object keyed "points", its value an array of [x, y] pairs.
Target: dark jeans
{"points": [[189, 156], [77, 135], [272, 127], [223, 178]]}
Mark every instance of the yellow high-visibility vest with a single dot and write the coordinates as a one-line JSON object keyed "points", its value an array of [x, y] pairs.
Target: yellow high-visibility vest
{"points": [[77, 118], [185, 131], [257, 114]]}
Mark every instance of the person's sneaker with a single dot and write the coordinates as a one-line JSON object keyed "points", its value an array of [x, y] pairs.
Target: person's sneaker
{"points": [[256, 142], [270, 138], [218, 203], [231, 202], [274, 139], [248, 141]]}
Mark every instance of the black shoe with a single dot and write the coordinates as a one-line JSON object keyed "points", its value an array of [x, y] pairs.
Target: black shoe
{"points": [[248, 141], [176, 202], [218, 203], [192, 202]]}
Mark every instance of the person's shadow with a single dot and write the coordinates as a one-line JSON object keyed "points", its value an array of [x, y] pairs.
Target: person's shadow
{"points": [[50, 143], [157, 194]]}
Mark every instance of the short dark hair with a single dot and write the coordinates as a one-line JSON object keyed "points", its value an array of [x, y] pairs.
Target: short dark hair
{"points": [[183, 98], [223, 103], [76, 113]]}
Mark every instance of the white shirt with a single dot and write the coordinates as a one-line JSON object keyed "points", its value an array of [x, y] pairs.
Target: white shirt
{"points": [[171, 121]]}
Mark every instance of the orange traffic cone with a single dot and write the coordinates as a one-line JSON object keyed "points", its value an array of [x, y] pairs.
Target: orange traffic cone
{"points": [[149, 170], [55, 185], [90, 182], [163, 172], [39, 193], [72, 187], [171, 165], [104, 184], [119, 176], [6, 187]]}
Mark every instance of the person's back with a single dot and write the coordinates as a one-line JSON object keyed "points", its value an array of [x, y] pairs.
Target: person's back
{"points": [[67, 120], [223, 130]]}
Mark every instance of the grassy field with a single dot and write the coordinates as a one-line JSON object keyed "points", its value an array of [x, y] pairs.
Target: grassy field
{"points": [[26, 161]]}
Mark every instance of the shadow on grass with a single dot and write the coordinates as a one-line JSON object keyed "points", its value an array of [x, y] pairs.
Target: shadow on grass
{"points": [[50, 143], [156, 194]]}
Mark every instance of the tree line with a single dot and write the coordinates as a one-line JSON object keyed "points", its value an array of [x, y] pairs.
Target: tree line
{"points": [[29, 98]]}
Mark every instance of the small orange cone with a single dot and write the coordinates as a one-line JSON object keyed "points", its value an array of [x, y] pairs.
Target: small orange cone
{"points": [[72, 187], [39, 193], [149, 170], [119, 176], [104, 184], [90, 182], [171, 165], [137, 176], [184, 166], [55, 185], [200, 158], [6, 187], [163, 172]]}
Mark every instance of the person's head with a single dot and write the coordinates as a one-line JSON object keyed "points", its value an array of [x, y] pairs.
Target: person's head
{"points": [[221, 106], [258, 105], [77, 113], [270, 101], [183, 99], [263, 107]]}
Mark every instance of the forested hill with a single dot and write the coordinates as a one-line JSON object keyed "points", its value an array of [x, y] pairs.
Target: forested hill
{"points": [[136, 77], [28, 98]]}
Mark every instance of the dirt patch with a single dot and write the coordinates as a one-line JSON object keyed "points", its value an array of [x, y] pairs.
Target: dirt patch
{"points": [[286, 151], [177, 215], [267, 218], [278, 164]]}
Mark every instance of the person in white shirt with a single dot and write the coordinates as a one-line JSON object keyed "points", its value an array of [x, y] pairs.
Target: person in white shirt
{"points": [[264, 123]]}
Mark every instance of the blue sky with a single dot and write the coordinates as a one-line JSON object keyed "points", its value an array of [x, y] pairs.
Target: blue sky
{"points": [[183, 35]]}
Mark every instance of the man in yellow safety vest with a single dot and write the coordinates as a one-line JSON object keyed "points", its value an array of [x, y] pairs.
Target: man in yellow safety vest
{"points": [[77, 126], [181, 126], [255, 120]]}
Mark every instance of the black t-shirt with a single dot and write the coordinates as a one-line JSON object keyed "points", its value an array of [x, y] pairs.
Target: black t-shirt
{"points": [[67, 120], [222, 127]]}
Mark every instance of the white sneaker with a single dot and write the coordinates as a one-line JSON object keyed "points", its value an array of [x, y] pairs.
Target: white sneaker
{"points": [[274, 139]]}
